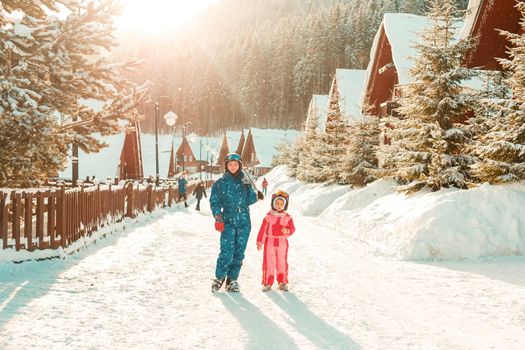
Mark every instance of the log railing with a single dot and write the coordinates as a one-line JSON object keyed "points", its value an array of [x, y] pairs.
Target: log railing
{"points": [[48, 219]]}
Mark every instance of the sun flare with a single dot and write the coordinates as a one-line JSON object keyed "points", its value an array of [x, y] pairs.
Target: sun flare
{"points": [[155, 16]]}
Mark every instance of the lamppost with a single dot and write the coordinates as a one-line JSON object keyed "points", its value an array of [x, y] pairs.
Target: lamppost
{"points": [[200, 159], [156, 144], [157, 111], [171, 119], [184, 138]]}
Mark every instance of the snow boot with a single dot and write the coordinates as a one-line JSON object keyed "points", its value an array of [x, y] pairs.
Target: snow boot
{"points": [[266, 288], [283, 287], [232, 286], [217, 284]]}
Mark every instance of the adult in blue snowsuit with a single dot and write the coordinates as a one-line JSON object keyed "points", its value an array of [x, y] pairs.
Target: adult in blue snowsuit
{"points": [[231, 195], [182, 184]]}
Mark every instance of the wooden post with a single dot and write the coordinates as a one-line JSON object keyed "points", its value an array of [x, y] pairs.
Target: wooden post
{"points": [[170, 197], [3, 218], [40, 219], [51, 216], [149, 192], [60, 217], [15, 204], [129, 200], [28, 220]]}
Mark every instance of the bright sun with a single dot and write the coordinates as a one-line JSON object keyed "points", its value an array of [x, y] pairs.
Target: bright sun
{"points": [[156, 16]]}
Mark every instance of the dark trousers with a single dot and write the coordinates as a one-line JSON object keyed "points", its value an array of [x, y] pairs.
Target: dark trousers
{"points": [[184, 197], [198, 207]]}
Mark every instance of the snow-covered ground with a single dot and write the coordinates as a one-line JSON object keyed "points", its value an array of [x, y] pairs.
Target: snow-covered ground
{"points": [[149, 288]]}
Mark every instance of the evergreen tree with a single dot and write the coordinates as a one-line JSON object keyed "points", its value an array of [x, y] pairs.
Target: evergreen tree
{"points": [[359, 164], [48, 69], [331, 146], [309, 167], [500, 145], [428, 140]]}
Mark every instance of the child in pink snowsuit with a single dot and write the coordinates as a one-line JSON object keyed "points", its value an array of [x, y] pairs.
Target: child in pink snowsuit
{"points": [[276, 227]]}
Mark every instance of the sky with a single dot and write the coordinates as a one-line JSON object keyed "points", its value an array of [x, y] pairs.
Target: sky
{"points": [[158, 16]]}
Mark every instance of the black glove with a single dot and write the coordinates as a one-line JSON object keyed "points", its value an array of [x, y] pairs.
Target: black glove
{"points": [[260, 195]]}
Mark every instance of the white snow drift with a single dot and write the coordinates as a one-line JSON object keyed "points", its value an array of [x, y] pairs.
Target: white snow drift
{"points": [[448, 224]]}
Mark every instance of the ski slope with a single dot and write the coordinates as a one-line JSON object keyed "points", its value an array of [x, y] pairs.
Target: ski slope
{"points": [[149, 288]]}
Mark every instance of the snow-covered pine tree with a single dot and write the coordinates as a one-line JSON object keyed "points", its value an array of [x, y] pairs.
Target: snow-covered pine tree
{"points": [[288, 154], [500, 143], [332, 144], [309, 167], [360, 160], [47, 65], [428, 140]]}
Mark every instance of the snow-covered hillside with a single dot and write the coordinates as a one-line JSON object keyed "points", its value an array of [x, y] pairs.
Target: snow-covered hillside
{"points": [[448, 224]]}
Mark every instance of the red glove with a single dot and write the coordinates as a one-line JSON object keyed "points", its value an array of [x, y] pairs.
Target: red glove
{"points": [[219, 224]]}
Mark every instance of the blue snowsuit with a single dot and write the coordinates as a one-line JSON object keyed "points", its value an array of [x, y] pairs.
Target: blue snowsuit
{"points": [[182, 185], [231, 196]]}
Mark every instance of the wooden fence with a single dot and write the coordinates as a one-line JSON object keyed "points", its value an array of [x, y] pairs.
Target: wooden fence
{"points": [[48, 219]]}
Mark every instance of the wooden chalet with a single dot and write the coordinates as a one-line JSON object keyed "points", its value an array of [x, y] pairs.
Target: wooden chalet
{"points": [[130, 165], [186, 158], [485, 19], [388, 69], [225, 150], [240, 145], [249, 154]]}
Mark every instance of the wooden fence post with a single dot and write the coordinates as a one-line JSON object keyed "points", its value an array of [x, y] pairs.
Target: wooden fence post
{"points": [[28, 220], [150, 199], [40, 219], [129, 200], [15, 205], [61, 216], [3, 218], [170, 198]]}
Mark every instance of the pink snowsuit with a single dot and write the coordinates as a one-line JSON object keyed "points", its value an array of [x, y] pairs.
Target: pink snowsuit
{"points": [[275, 246]]}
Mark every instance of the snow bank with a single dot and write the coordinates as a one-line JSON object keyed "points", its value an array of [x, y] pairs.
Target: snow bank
{"points": [[448, 224]]}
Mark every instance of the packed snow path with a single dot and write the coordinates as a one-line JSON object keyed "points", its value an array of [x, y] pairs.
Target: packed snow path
{"points": [[149, 288]]}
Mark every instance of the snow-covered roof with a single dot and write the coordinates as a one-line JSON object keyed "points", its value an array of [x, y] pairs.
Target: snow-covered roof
{"points": [[319, 106], [350, 86], [402, 31], [473, 10]]}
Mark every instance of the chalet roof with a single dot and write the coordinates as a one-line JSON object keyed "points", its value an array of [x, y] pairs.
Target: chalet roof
{"points": [[241, 143], [350, 86], [249, 153], [484, 20], [319, 106], [401, 31], [130, 164]]}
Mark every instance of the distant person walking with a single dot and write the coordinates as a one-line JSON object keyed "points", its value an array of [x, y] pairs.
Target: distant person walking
{"points": [[265, 186], [182, 184], [199, 191]]}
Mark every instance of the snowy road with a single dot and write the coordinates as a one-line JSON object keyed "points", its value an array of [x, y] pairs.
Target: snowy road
{"points": [[149, 288]]}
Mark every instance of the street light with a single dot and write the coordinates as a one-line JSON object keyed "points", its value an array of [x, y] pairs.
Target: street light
{"points": [[157, 111], [184, 138], [156, 143], [171, 119]]}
